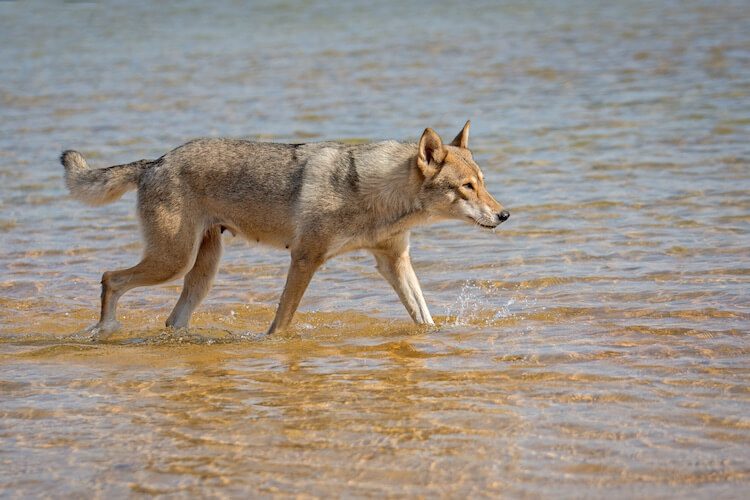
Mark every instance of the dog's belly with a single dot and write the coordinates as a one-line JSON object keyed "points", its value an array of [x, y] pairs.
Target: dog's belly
{"points": [[272, 238], [259, 230], [276, 237], [254, 218]]}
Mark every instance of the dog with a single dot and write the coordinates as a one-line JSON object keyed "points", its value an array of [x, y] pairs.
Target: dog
{"points": [[317, 200]]}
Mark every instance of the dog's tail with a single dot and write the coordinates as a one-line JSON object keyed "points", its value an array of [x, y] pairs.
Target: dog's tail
{"points": [[101, 185]]}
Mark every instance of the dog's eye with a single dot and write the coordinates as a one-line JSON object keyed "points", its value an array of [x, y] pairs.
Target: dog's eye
{"points": [[468, 186]]}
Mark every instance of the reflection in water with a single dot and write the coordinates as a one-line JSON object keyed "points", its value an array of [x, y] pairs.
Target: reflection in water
{"points": [[595, 344]]}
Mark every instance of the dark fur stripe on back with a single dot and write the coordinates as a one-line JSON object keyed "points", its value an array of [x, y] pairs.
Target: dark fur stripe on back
{"points": [[352, 176]]}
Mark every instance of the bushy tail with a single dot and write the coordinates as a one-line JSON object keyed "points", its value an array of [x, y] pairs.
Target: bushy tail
{"points": [[101, 185]]}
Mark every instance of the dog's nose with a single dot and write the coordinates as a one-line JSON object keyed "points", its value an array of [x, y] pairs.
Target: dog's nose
{"points": [[503, 216]]}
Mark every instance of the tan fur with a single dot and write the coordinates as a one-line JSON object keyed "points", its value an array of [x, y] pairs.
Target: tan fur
{"points": [[318, 200], [462, 139]]}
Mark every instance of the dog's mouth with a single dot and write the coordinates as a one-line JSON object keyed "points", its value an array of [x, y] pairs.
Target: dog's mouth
{"points": [[486, 226]]}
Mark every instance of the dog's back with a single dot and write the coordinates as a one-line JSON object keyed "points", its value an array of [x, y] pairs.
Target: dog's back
{"points": [[260, 190], [266, 191], [249, 187]]}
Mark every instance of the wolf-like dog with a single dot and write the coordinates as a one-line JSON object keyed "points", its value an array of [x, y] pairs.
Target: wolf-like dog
{"points": [[318, 200]]}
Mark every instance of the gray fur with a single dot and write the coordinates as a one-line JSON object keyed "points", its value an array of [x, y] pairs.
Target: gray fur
{"points": [[317, 199], [101, 186]]}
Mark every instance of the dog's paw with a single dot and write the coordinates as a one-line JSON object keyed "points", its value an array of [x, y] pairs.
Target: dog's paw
{"points": [[99, 331]]}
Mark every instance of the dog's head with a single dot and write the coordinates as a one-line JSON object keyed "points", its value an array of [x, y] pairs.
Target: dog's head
{"points": [[453, 184]]}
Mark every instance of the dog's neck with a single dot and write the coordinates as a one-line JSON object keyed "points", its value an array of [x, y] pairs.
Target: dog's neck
{"points": [[391, 190], [390, 184]]}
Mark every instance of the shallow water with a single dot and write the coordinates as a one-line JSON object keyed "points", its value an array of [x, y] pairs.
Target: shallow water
{"points": [[596, 343]]}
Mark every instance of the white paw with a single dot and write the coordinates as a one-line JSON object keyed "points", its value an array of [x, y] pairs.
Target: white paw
{"points": [[99, 331]]}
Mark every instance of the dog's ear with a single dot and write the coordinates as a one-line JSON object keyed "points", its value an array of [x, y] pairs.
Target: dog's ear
{"points": [[462, 139], [431, 153]]}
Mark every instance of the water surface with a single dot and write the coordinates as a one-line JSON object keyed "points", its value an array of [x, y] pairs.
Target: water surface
{"points": [[596, 344]]}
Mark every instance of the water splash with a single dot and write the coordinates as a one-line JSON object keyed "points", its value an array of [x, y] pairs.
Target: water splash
{"points": [[469, 302], [486, 305]]}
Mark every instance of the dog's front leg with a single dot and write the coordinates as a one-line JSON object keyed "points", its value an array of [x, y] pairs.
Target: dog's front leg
{"points": [[301, 271], [394, 264]]}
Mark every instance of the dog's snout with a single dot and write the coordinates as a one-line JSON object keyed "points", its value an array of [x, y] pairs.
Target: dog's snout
{"points": [[503, 216]]}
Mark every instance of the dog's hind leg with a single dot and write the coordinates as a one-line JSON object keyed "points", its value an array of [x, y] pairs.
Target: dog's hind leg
{"points": [[394, 264], [164, 259], [198, 280]]}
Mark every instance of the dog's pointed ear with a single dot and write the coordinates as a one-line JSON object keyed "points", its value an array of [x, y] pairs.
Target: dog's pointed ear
{"points": [[431, 152], [462, 139]]}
